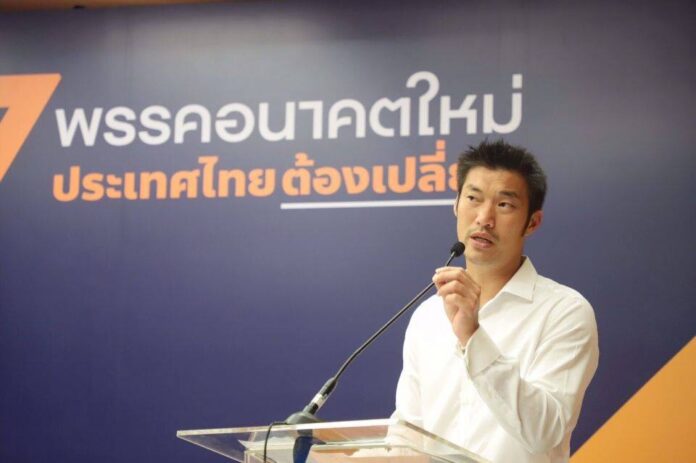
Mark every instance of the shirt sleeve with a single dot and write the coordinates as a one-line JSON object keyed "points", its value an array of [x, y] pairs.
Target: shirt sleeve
{"points": [[540, 407], [408, 400]]}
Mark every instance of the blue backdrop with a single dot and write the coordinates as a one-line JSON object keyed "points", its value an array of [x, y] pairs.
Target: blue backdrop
{"points": [[124, 320]]}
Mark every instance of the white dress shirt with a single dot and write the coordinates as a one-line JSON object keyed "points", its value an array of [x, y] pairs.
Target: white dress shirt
{"points": [[513, 395]]}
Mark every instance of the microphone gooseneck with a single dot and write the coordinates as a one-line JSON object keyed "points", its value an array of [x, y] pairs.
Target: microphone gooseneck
{"points": [[308, 413]]}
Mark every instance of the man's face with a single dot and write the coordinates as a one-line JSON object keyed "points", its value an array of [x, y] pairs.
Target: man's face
{"points": [[491, 215]]}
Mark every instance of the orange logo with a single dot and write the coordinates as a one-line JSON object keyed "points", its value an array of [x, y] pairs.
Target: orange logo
{"points": [[25, 97]]}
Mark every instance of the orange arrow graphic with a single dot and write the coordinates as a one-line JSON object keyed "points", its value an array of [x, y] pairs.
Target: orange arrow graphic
{"points": [[25, 97], [656, 424]]}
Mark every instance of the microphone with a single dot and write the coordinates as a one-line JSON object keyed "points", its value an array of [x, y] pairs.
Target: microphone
{"points": [[308, 413]]}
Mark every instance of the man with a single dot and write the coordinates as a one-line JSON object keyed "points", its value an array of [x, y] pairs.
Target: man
{"points": [[499, 360]]}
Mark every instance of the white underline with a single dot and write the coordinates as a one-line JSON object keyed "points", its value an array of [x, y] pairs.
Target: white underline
{"points": [[354, 204]]}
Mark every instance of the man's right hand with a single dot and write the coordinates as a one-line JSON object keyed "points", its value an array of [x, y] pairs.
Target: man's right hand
{"points": [[460, 294]]}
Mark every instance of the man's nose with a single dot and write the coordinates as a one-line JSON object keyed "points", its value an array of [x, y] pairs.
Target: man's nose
{"points": [[486, 216]]}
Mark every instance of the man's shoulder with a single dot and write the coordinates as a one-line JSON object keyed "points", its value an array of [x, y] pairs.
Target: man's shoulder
{"points": [[552, 288], [562, 299], [543, 293]]}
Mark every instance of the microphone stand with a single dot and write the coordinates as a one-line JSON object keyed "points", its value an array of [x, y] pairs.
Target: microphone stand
{"points": [[308, 413], [305, 440]]}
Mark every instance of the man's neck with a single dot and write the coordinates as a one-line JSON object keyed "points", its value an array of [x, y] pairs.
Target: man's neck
{"points": [[492, 279]]}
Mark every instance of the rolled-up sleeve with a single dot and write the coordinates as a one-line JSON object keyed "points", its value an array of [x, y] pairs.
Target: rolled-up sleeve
{"points": [[541, 405]]}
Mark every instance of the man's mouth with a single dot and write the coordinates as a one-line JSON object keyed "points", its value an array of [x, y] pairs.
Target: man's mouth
{"points": [[482, 238]]}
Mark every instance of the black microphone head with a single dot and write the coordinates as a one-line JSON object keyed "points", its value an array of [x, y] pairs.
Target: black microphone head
{"points": [[457, 249]]}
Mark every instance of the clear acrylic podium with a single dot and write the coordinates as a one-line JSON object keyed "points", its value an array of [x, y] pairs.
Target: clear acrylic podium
{"points": [[368, 441]]}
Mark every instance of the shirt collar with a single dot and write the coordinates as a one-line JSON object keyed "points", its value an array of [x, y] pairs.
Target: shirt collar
{"points": [[522, 282]]}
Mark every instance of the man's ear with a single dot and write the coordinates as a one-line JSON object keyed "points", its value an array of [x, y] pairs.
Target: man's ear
{"points": [[456, 203], [534, 222]]}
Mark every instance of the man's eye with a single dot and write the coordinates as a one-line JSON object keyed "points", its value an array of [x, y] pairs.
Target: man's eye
{"points": [[471, 198], [506, 205]]}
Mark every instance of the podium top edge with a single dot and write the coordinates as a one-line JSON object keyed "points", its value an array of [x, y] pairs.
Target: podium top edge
{"points": [[286, 427]]}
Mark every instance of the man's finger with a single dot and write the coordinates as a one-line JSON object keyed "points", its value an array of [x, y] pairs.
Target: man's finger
{"points": [[444, 275]]}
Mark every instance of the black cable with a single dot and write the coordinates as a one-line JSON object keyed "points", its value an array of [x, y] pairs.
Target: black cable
{"points": [[268, 434]]}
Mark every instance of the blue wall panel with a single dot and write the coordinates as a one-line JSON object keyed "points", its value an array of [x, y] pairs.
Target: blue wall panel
{"points": [[122, 321]]}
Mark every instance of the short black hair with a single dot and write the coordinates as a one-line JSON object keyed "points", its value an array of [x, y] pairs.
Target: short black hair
{"points": [[501, 155]]}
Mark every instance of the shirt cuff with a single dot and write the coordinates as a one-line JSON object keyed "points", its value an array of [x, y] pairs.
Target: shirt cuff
{"points": [[480, 352]]}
